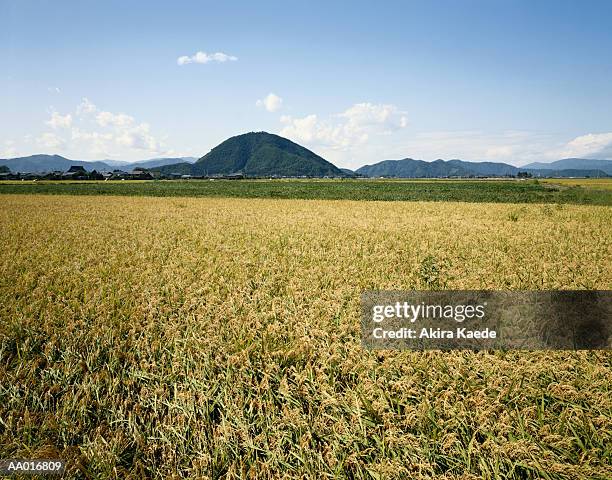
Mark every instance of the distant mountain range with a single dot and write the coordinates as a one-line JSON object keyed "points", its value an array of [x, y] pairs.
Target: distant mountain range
{"points": [[410, 168], [158, 162], [50, 163], [574, 163], [258, 154], [264, 154]]}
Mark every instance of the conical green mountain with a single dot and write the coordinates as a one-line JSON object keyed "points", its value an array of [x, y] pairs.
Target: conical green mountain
{"points": [[263, 154]]}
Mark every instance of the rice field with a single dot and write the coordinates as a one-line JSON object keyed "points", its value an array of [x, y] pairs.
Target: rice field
{"points": [[589, 183], [179, 337]]}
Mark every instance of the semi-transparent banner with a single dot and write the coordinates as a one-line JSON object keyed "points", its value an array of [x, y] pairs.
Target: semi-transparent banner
{"points": [[473, 319]]}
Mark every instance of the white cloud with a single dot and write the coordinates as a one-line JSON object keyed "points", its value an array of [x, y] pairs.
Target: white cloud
{"points": [[355, 126], [270, 102], [120, 120], [9, 152], [9, 149], [313, 131], [367, 114], [50, 140], [138, 138], [119, 130], [513, 146], [499, 152], [85, 107], [97, 143], [203, 57], [59, 121], [78, 134], [589, 145]]}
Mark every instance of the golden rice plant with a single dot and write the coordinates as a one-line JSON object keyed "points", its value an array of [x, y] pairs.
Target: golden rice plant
{"points": [[219, 338]]}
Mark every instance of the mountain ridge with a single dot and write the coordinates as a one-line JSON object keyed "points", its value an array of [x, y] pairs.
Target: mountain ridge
{"points": [[261, 154], [411, 168], [573, 163], [266, 154], [44, 163], [258, 154]]}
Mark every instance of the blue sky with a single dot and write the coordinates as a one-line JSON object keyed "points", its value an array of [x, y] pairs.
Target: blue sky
{"points": [[357, 82]]}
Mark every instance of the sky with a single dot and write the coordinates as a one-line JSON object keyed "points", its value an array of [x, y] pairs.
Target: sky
{"points": [[356, 82]]}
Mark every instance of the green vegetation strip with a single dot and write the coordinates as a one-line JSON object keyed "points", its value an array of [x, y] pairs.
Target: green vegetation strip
{"points": [[457, 191]]}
